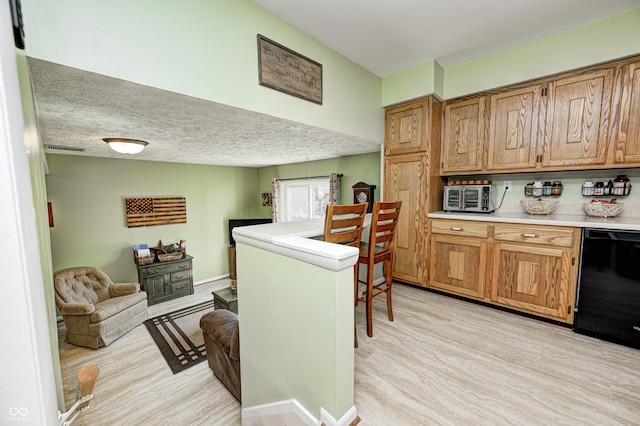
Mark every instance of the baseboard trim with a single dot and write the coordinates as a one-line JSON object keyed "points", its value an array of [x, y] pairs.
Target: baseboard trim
{"points": [[289, 412], [350, 418], [208, 280]]}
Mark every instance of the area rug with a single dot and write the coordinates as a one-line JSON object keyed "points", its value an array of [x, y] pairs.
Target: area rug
{"points": [[179, 337]]}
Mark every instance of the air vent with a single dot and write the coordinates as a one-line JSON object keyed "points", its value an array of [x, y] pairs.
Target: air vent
{"points": [[64, 148]]}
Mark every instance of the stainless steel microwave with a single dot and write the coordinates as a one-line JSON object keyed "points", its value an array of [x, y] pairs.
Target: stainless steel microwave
{"points": [[468, 198]]}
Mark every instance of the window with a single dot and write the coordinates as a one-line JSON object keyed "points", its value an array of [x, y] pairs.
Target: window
{"points": [[303, 199]]}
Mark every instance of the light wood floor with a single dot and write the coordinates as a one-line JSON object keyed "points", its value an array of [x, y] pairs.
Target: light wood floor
{"points": [[441, 362]]}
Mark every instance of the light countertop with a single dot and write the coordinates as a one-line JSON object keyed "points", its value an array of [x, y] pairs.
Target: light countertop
{"points": [[575, 220]]}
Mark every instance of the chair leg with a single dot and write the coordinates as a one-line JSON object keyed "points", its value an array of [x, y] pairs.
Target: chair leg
{"points": [[388, 291], [355, 297], [370, 271]]}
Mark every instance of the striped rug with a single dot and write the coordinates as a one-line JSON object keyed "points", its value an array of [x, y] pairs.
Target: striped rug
{"points": [[179, 337]]}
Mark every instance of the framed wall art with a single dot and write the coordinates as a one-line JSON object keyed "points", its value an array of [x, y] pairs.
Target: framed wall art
{"points": [[282, 69]]}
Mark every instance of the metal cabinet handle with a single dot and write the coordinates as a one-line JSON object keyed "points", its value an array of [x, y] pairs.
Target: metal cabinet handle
{"points": [[184, 265], [529, 235], [457, 229]]}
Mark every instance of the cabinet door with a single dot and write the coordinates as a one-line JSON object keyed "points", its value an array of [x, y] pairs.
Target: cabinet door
{"points": [[627, 148], [577, 121], [156, 286], [458, 265], [404, 129], [513, 130], [405, 180], [463, 135], [533, 279]]}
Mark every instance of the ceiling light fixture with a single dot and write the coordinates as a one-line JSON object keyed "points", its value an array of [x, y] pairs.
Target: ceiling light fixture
{"points": [[126, 146]]}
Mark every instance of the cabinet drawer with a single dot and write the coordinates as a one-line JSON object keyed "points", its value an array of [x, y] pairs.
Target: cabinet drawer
{"points": [[460, 227], [181, 287], [180, 275], [547, 235], [165, 269]]}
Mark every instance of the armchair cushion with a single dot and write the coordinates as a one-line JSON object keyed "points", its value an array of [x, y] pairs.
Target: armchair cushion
{"points": [[110, 307], [122, 289], [77, 309]]}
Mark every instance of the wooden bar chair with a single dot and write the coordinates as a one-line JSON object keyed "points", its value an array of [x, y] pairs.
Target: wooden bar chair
{"points": [[343, 225], [378, 249]]}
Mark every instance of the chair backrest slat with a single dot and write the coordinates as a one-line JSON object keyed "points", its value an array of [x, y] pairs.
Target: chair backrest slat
{"points": [[343, 223], [383, 224]]}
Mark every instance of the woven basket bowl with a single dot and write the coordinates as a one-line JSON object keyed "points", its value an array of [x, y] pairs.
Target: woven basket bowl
{"points": [[603, 209], [539, 206]]}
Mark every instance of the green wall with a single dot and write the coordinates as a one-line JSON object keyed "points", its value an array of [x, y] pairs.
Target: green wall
{"points": [[87, 196], [202, 48], [355, 168], [599, 41], [303, 348]]}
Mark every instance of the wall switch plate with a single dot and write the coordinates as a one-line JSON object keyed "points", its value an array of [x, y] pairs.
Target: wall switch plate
{"points": [[507, 185]]}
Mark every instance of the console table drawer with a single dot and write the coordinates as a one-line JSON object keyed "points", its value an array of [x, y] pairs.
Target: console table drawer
{"points": [[157, 269], [181, 275], [181, 287]]}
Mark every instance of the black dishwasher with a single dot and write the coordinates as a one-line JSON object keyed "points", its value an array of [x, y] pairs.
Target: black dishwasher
{"points": [[608, 303]]}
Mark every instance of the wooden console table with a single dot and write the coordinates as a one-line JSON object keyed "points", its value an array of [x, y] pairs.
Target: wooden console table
{"points": [[166, 280]]}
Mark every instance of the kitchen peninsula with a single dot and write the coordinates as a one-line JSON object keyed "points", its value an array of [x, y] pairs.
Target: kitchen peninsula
{"points": [[296, 293]]}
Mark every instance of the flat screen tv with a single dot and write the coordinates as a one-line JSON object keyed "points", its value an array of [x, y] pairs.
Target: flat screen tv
{"points": [[234, 223]]}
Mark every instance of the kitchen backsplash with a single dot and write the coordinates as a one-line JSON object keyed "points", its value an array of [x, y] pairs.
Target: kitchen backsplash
{"points": [[571, 199]]}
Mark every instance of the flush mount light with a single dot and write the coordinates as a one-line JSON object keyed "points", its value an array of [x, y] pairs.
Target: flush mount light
{"points": [[126, 146]]}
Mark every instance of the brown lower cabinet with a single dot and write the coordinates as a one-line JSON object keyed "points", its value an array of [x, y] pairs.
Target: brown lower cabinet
{"points": [[528, 268]]}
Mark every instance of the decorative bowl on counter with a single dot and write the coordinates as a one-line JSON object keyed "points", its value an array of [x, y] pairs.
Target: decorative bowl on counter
{"points": [[539, 206], [602, 209]]}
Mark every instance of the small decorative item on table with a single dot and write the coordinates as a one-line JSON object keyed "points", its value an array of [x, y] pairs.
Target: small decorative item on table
{"points": [[142, 255], [171, 252]]}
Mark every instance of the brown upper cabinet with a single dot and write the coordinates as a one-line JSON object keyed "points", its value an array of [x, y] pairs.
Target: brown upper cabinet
{"points": [[463, 136], [405, 131], [579, 120], [627, 137], [514, 130]]}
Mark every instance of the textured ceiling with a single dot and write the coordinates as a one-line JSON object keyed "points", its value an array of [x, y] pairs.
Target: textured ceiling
{"points": [[390, 36], [78, 108]]}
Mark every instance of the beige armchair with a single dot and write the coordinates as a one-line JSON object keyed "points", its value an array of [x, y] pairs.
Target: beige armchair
{"points": [[95, 310]]}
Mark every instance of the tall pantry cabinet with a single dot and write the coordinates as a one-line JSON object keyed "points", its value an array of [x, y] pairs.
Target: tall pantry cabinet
{"points": [[412, 175]]}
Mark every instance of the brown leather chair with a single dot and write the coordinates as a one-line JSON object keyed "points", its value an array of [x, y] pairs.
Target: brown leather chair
{"points": [[221, 333], [343, 225], [378, 249]]}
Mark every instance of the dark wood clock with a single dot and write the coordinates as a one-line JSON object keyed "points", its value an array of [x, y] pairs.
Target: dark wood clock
{"points": [[363, 193]]}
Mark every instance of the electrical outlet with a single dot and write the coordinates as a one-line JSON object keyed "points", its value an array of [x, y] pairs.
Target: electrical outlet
{"points": [[507, 185]]}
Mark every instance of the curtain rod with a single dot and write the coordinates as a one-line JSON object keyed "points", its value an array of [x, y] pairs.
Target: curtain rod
{"points": [[310, 177]]}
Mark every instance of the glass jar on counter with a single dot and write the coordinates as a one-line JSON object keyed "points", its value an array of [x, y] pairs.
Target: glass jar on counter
{"points": [[528, 189], [608, 189], [546, 188], [537, 189], [598, 188], [556, 188], [587, 188]]}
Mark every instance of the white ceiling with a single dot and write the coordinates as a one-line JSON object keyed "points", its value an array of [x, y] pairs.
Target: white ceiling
{"points": [[78, 108], [389, 36]]}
